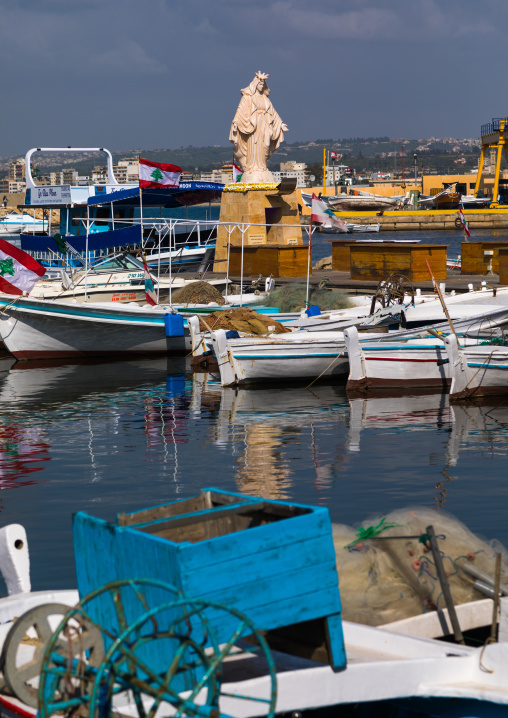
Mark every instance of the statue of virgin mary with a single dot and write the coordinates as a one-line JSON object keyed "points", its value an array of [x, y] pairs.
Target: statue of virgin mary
{"points": [[256, 131]]}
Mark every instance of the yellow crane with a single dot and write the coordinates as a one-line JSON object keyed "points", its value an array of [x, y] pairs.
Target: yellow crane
{"points": [[494, 135]]}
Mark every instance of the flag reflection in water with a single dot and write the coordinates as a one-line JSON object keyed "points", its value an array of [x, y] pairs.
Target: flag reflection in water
{"points": [[21, 450], [166, 415]]}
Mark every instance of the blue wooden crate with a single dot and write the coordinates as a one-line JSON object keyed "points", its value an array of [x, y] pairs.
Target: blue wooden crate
{"points": [[272, 560]]}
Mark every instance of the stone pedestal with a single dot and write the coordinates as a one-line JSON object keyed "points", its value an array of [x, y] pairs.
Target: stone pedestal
{"points": [[273, 218]]}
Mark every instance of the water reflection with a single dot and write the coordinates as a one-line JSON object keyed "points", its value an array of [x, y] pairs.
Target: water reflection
{"points": [[260, 424], [184, 430], [111, 437]]}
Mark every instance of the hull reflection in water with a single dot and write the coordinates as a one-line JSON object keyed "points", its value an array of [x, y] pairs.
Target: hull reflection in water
{"points": [[260, 422], [487, 422]]}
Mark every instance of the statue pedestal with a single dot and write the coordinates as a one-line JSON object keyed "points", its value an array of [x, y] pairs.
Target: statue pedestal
{"points": [[273, 218]]}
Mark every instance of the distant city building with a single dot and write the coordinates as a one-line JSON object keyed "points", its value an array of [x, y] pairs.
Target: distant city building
{"points": [[127, 171], [222, 176], [12, 186], [16, 170], [302, 177], [292, 166], [99, 175], [66, 176]]}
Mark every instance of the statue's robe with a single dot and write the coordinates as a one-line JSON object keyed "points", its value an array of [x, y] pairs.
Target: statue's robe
{"points": [[259, 134]]}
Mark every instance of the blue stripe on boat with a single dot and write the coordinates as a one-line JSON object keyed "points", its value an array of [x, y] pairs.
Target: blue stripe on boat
{"points": [[487, 366], [64, 311]]}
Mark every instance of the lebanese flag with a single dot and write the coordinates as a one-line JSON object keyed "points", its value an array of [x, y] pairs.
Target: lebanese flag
{"points": [[322, 214], [237, 172], [153, 175], [150, 293], [18, 270], [464, 224]]}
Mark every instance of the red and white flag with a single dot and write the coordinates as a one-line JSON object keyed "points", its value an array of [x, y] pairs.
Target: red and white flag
{"points": [[150, 293], [153, 175], [18, 270], [323, 215], [464, 224], [237, 172]]}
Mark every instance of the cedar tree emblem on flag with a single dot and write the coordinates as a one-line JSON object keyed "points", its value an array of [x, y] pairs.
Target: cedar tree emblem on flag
{"points": [[323, 215], [153, 175], [22, 269], [237, 172]]}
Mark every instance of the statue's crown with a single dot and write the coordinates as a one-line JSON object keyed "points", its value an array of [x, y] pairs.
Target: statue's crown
{"points": [[262, 75]]}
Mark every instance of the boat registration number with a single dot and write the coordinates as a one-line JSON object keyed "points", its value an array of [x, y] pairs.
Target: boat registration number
{"points": [[124, 297]]}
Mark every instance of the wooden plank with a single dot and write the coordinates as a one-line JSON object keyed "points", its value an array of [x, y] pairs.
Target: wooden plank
{"points": [[379, 261], [287, 610], [271, 563], [341, 255], [262, 538], [473, 259], [175, 508], [436, 257], [197, 517], [503, 266]]}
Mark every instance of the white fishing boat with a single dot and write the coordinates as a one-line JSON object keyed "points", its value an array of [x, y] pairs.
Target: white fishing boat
{"points": [[279, 357], [44, 329], [358, 228], [400, 666], [477, 371], [358, 200], [119, 278], [405, 361], [14, 223]]}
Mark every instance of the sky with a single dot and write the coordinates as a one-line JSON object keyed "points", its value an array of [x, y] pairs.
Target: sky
{"points": [[128, 74]]}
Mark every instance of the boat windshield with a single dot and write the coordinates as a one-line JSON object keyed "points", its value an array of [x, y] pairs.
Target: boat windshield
{"points": [[118, 263]]}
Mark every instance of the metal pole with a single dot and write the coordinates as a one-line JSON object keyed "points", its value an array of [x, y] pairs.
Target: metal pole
{"points": [[324, 171], [86, 250], [242, 230], [228, 230], [495, 607], [141, 214], [445, 586], [159, 266], [171, 229], [308, 263]]}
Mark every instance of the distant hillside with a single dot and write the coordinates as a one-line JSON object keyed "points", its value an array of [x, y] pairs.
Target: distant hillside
{"points": [[364, 154]]}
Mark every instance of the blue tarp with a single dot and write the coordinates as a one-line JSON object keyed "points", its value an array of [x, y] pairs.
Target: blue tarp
{"points": [[187, 194], [100, 240]]}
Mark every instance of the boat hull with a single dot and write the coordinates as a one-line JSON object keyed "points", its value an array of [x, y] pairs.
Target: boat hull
{"points": [[33, 329], [477, 371], [395, 365], [273, 359]]}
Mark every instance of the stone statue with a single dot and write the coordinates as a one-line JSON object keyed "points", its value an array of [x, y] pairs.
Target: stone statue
{"points": [[256, 131]]}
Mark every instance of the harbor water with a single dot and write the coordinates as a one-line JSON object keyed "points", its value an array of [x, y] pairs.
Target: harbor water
{"points": [[120, 436]]}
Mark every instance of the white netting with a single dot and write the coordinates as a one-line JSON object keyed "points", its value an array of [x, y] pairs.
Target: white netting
{"points": [[387, 580]]}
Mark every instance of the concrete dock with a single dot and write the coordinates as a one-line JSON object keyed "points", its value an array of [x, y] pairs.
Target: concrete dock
{"points": [[406, 220]]}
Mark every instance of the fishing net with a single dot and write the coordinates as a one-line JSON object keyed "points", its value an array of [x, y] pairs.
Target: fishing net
{"points": [[243, 320], [384, 580], [198, 293], [292, 298]]}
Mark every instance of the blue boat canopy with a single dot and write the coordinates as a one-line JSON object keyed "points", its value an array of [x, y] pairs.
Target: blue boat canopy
{"points": [[187, 194], [100, 240]]}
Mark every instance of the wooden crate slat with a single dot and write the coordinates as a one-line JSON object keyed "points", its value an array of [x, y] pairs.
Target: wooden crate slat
{"points": [[248, 568]]}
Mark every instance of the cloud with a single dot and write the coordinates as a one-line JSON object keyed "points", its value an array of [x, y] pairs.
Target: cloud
{"points": [[364, 20], [129, 57], [205, 28]]}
